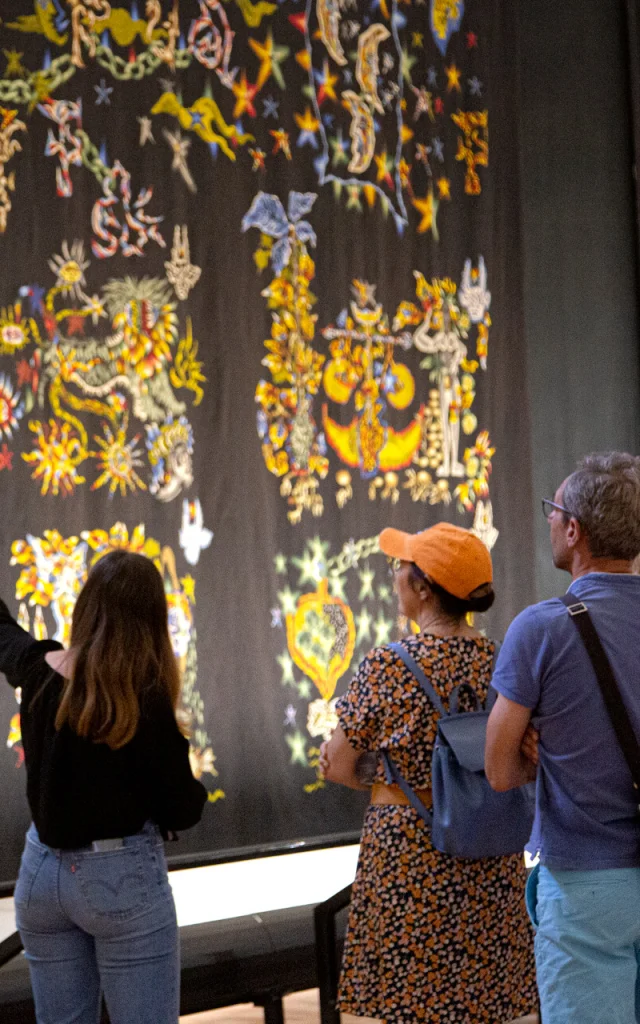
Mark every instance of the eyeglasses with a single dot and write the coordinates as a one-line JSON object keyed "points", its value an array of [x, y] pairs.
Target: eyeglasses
{"points": [[395, 564], [549, 507]]}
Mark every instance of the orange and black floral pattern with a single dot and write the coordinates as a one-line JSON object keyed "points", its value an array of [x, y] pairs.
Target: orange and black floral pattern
{"points": [[430, 938]]}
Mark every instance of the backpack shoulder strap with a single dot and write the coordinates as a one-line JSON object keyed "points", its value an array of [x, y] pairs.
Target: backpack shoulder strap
{"points": [[393, 777], [492, 695], [416, 671], [607, 682]]}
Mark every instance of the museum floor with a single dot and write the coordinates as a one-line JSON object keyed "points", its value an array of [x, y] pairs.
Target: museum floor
{"points": [[300, 1008]]}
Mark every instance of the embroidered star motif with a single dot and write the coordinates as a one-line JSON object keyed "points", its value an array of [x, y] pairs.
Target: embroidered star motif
{"points": [[103, 93]]}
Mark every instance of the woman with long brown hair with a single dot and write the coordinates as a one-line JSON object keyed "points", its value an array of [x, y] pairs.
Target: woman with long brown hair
{"points": [[108, 777]]}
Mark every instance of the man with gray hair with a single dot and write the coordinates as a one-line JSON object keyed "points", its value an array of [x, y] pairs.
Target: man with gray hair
{"points": [[550, 720]]}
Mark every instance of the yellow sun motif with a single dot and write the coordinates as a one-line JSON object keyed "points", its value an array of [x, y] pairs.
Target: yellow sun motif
{"points": [[117, 539], [57, 455], [118, 461], [14, 333], [69, 269]]}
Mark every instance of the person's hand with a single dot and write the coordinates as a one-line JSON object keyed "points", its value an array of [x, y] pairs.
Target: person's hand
{"points": [[323, 763], [529, 745]]}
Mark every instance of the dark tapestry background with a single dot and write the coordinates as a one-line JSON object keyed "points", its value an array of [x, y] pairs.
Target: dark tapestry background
{"points": [[141, 407]]}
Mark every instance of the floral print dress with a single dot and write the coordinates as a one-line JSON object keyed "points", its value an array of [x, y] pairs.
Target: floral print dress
{"points": [[430, 938]]}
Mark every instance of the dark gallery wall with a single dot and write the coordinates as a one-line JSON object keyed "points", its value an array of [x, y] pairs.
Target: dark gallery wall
{"points": [[580, 242], [633, 48]]}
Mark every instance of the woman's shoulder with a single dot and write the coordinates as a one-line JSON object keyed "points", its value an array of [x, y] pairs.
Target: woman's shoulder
{"points": [[40, 686], [378, 658], [35, 667], [382, 661], [466, 653], [432, 644], [375, 669]]}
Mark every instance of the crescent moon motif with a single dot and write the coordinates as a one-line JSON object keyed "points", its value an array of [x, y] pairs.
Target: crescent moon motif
{"points": [[361, 132], [336, 383], [391, 450], [405, 388], [368, 63], [328, 13]]}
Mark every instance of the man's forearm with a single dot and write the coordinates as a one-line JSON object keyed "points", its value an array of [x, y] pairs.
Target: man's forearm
{"points": [[505, 764], [517, 772]]}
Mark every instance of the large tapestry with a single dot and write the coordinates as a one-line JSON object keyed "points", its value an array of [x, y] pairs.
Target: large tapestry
{"points": [[259, 298]]}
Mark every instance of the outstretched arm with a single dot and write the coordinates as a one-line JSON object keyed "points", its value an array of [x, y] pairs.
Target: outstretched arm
{"points": [[16, 647]]}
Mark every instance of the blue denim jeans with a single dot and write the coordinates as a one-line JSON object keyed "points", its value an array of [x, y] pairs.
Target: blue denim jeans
{"points": [[95, 922], [587, 944]]}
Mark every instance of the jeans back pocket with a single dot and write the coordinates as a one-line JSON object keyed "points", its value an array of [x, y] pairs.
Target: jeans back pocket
{"points": [[114, 884]]}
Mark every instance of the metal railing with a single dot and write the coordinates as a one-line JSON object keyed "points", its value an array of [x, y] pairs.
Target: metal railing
{"points": [[9, 948], [327, 953]]}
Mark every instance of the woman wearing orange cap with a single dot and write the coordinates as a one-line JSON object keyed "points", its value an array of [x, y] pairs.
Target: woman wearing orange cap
{"points": [[431, 938]]}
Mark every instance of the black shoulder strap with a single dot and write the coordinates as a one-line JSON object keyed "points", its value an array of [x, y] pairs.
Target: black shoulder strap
{"points": [[607, 683], [492, 695]]}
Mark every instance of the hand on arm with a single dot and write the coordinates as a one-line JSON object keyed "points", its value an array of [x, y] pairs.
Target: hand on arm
{"points": [[530, 745], [338, 761], [510, 744], [357, 712]]}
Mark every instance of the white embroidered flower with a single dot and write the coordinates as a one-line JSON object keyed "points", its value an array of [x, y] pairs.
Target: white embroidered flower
{"points": [[322, 718]]}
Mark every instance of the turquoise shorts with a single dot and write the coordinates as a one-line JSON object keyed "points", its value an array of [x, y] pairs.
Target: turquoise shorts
{"points": [[587, 944]]}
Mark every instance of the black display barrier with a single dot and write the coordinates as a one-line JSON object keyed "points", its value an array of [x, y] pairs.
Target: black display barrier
{"points": [[260, 297]]}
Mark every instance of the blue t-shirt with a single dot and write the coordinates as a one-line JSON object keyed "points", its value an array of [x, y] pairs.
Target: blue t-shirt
{"points": [[586, 806]]}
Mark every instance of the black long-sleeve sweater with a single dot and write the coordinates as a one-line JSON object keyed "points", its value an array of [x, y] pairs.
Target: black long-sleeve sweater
{"points": [[80, 791]]}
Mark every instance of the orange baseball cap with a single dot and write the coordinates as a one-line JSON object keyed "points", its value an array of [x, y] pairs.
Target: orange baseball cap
{"points": [[452, 557]]}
